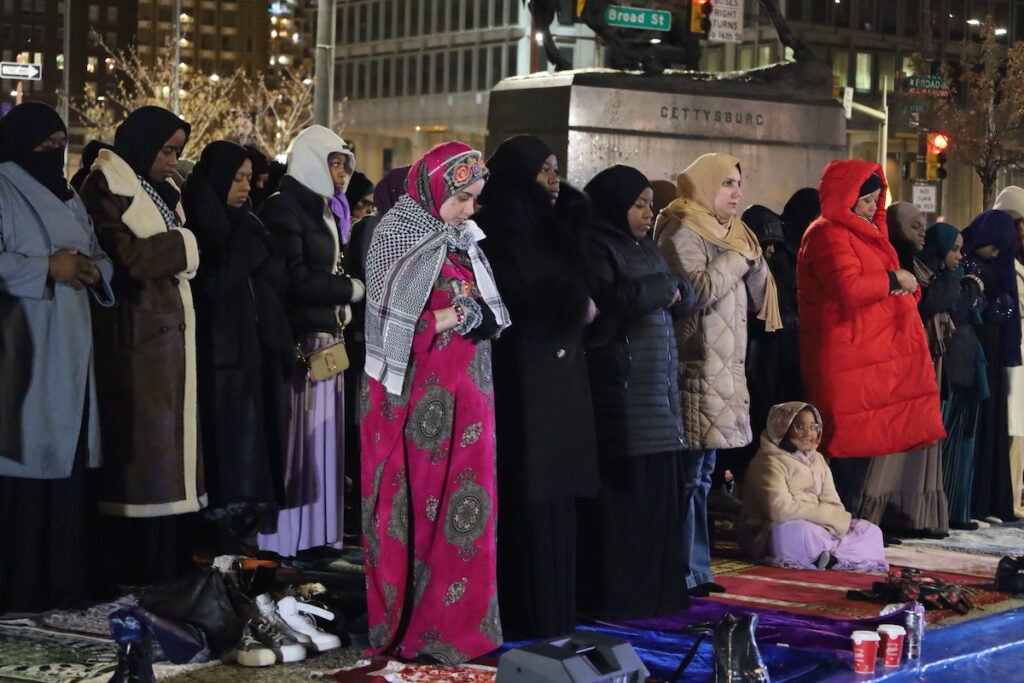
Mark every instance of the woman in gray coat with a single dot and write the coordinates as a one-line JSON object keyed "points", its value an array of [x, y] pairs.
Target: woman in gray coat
{"points": [[703, 239], [50, 264]]}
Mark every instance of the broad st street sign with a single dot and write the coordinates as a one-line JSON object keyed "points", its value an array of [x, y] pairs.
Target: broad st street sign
{"points": [[635, 17], [27, 72]]}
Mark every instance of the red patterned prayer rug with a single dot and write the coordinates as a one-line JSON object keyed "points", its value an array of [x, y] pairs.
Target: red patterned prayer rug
{"points": [[804, 591]]}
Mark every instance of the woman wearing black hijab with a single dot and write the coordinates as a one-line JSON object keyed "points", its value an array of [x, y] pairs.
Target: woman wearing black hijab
{"points": [[50, 266], [243, 343], [146, 353], [631, 536], [89, 154], [534, 225]]}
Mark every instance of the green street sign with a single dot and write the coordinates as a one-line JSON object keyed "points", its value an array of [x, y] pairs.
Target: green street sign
{"points": [[635, 17]]}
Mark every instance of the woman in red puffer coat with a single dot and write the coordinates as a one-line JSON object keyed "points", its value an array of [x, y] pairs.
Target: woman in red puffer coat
{"points": [[863, 349]]}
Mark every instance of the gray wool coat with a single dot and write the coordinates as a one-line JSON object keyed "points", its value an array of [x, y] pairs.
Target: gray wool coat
{"points": [[46, 351]]}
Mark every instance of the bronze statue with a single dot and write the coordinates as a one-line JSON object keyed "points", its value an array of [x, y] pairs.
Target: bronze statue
{"points": [[631, 49]]}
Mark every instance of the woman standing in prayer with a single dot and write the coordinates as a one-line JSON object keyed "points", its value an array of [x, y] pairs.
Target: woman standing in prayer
{"points": [[152, 478], [703, 239], [864, 354], [50, 266], [990, 245], [630, 549], [533, 223], [962, 381], [428, 470], [308, 217], [243, 343]]}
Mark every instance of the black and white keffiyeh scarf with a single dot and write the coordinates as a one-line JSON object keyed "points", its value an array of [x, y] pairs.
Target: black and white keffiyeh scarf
{"points": [[408, 249], [170, 218]]}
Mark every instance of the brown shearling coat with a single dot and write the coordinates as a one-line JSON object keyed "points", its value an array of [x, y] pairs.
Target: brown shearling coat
{"points": [[145, 351]]}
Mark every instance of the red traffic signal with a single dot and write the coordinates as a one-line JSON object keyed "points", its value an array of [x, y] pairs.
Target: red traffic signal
{"points": [[937, 143]]}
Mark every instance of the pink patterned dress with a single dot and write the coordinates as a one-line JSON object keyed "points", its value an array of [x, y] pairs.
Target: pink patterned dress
{"points": [[429, 495]]}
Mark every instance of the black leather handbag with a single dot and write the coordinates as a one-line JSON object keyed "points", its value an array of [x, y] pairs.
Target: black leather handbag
{"points": [[204, 599]]}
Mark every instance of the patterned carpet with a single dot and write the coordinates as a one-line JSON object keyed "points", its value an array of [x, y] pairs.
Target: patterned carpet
{"points": [[824, 592], [998, 540]]}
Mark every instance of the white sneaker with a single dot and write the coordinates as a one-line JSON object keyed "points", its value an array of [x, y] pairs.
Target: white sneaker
{"points": [[268, 610], [298, 615]]}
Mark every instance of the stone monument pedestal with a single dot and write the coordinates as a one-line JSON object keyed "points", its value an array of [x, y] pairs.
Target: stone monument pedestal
{"points": [[781, 122]]}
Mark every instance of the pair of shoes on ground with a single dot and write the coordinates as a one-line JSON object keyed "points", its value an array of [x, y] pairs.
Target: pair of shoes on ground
{"points": [[705, 589], [285, 632], [826, 560]]}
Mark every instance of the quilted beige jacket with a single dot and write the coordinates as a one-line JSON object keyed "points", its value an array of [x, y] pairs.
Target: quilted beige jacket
{"points": [[712, 340]]}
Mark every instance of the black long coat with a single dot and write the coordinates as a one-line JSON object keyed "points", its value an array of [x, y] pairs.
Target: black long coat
{"points": [[545, 422], [244, 351]]}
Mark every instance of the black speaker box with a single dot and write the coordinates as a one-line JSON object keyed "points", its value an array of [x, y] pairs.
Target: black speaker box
{"points": [[581, 657]]}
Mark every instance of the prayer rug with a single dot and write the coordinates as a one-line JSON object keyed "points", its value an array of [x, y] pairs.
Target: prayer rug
{"points": [[804, 591], [998, 539], [32, 654], [939, 559]]}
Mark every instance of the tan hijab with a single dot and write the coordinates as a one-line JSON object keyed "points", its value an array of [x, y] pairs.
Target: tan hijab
{"points": [[695, 208]]}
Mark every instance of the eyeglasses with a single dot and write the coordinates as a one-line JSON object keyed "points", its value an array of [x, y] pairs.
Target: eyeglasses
{"points": [[812, 427]]}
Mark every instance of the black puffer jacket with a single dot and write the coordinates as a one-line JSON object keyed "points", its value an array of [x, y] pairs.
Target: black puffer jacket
{"points": [[631, 353], [295, 215]]}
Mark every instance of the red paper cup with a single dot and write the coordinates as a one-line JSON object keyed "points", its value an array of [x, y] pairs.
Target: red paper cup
{"points": [[865, 651], [891, 643]]}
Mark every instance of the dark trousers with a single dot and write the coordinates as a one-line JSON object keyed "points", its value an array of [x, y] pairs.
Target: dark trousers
{"points": [[849, 475]]}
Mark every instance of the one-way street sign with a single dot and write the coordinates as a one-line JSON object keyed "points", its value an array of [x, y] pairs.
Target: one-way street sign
{"points": [[29, 72]]}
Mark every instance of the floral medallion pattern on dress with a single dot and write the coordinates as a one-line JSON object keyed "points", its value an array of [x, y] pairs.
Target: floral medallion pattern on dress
{"points": [[433, 507], [370, 517], [480, 368], [490, 626], [455, 591], [471, 434], [469, 510], [398, 522], [444, 653], [430, 424], [393, 401]]}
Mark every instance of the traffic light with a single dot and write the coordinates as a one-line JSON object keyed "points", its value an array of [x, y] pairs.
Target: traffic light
{"points": [[700, 16], [938, 144]]}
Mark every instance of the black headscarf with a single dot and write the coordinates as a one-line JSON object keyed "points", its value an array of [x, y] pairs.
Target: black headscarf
{"points": [[613, 191], [218, 165], [141, 136], [800, 211], [358, 187], [89, 154], [21, 131], [765, 223], [516, 162], [260, 163]]}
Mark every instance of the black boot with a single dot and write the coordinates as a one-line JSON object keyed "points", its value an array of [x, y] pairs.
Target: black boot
{"points": [[737, 659], [135, 662]]}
